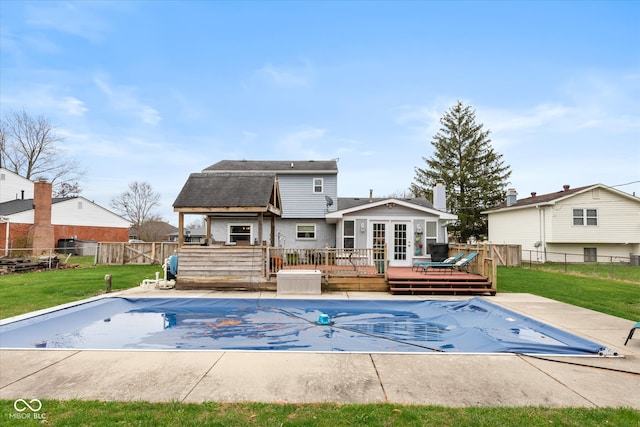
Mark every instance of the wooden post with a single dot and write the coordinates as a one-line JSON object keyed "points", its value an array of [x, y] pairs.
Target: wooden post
{"points": [[208, 227], [180, 229], [107, 278], [273, 231]]}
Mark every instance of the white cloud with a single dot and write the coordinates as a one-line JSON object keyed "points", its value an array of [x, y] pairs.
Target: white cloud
{"points": [[81, 19], [287, 76], [43, 99], [306, 143], [74, 106], [122, 98]]}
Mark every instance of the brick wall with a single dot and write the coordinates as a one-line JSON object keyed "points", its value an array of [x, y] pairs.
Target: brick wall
{"points": [[100, 234], [18, 234]]}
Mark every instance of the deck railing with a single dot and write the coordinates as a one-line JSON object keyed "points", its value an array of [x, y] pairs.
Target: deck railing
{"points": [[362, 262]]}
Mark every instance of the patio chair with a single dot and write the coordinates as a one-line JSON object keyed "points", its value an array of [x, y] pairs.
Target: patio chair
{"points": [[636, 326], [462, 263], [451, 260]]}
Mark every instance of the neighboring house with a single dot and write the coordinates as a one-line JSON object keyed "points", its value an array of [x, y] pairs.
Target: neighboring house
{"points": [[300, 198], [42, 221], [14, 187], [587, 222], [153, 231], [191, 235]]}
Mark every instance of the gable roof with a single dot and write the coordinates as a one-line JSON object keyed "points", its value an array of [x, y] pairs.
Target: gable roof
{"points": [[101, 216], [552, 198], [22, 205], [349, 205], [229, 192], [275, 166]]}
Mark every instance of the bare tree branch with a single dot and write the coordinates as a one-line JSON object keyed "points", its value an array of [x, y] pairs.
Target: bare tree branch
{"points": [[29, 147], [137, 203]]}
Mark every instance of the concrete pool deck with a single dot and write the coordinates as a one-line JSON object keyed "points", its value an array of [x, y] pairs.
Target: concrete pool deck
{"points": [[426, 379]]}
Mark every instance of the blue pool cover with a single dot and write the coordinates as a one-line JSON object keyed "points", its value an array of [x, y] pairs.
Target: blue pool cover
{"points": [[469, 326]]}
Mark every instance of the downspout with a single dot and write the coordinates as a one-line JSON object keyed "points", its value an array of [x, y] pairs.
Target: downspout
{"points": [[542, 231]]}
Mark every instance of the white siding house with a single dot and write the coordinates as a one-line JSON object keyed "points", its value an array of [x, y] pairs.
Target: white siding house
{"points": [[586, 223], [14, 187]]}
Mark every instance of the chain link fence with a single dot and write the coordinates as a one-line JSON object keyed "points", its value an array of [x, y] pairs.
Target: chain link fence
{"points": [[602, 266]]}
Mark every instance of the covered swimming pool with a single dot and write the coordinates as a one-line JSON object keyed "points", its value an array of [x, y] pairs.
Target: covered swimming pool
{"points": [[313, 325]]}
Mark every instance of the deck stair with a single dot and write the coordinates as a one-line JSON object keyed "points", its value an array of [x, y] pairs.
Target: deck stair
{"points": [[438, 282]]}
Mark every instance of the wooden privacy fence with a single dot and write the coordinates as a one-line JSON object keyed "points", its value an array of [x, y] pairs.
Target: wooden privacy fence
{"points": [[509, 255], [134, 253]]}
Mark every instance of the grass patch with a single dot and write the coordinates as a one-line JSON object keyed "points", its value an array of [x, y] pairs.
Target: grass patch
{"points": [[612, 270], [83, 413], [26, 292], [620, 299]]}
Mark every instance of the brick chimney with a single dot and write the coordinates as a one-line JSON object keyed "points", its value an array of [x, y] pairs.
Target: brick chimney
{"points": [[41, 232]]}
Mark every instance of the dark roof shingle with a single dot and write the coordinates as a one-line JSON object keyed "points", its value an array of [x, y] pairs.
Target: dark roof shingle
{"points": [[222, 190], [279, 166]]}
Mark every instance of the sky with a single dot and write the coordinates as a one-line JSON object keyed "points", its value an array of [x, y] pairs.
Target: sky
{"points": [[151, 91]]}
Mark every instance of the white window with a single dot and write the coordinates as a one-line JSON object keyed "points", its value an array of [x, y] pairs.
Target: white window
{"points": [[318, 185], [348, 234], [430, 235], [240, 233], [585, 217], [305, 231]]}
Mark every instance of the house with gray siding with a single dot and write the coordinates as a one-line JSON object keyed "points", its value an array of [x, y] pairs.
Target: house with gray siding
{"points": [[300, 199]]}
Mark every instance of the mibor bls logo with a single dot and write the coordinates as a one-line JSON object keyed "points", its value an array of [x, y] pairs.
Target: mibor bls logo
{"points": [[22, 406]]}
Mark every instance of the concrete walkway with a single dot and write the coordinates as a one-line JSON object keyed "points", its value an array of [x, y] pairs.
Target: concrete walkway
{"points": [[425, 379]]}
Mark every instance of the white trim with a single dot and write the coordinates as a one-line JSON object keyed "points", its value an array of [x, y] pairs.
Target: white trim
{"points": [[313, 185], [398, 202], [307, 224]]}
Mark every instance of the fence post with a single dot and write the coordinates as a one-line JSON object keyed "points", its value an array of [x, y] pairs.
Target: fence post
{"points": [[611, 266]]}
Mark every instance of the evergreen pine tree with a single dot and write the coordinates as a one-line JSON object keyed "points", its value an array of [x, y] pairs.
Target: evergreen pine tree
{"points": [[475, 175]]}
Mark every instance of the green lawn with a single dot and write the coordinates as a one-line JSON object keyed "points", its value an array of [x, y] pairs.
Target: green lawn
{"points": [[617, 298], [603, 270], [30, 291], [26, 292], [97, 414]]}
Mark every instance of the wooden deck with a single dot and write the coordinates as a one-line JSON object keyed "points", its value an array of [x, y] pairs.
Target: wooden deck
{"points": [[404, 280], [246, 268]]}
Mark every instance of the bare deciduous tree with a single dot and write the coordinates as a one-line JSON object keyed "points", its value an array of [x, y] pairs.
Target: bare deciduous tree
{"points": [[137, 203], [154, 229], [29, 147]]}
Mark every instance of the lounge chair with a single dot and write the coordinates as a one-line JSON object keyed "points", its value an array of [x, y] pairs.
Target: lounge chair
{"points": [[422, 264], [462, 263], [636, 326]]}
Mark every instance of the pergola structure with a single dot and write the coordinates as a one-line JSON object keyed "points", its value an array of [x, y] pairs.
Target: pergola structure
{"points": [[215, 194]]}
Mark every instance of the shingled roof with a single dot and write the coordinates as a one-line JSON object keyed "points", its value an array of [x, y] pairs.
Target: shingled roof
{"points": [[550, 198], [279, 166], [229, 192], [22, 205]]}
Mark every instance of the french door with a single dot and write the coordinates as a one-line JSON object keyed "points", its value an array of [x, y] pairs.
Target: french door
{"points": [[396, 235]]}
